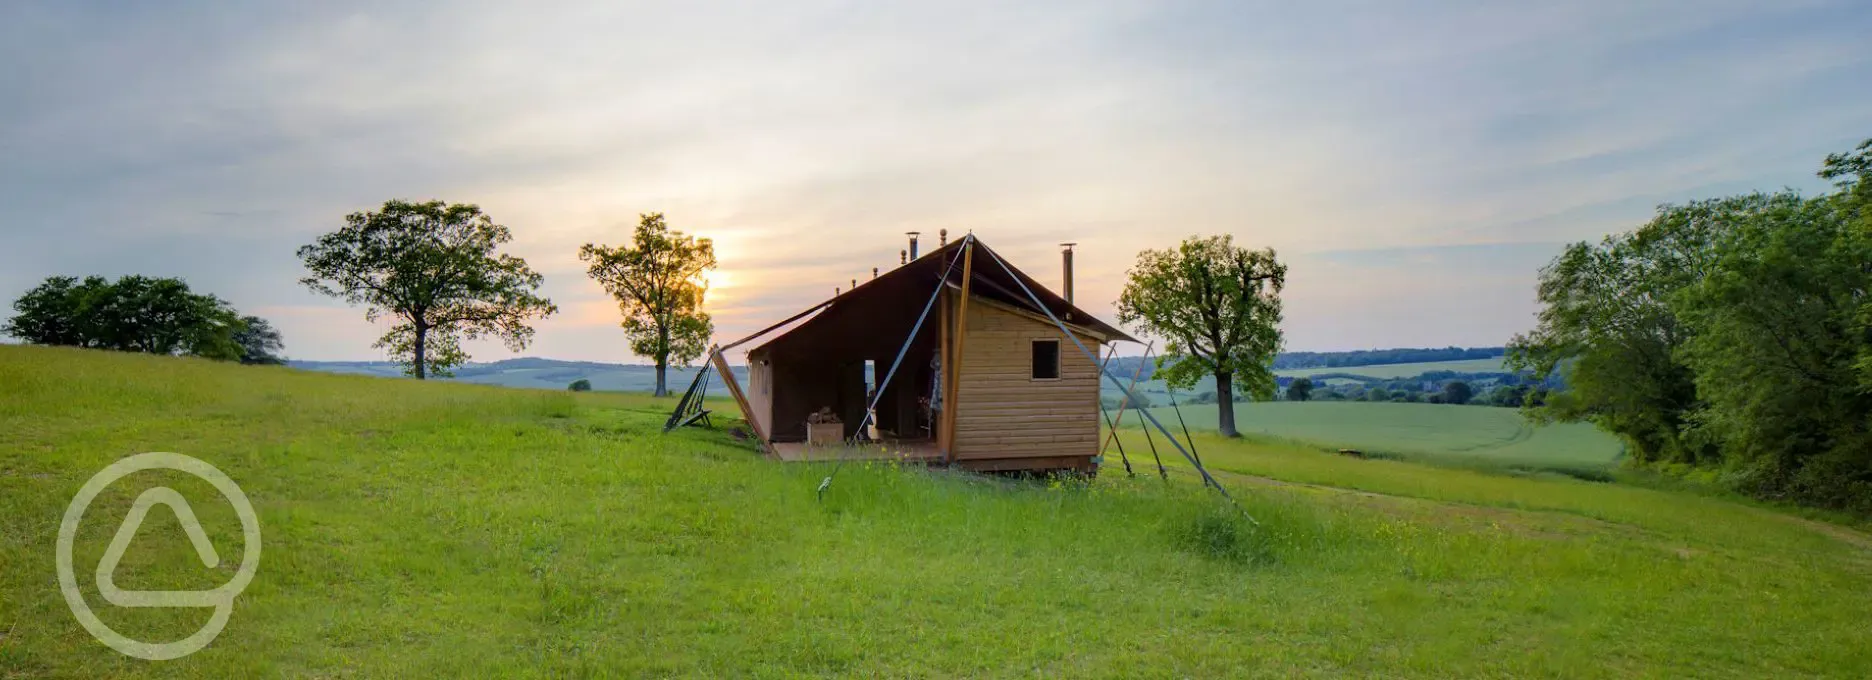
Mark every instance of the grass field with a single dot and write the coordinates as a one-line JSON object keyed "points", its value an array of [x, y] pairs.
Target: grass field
{"points": [[1450, 435], [420, 529], [1430, 431], [1386, 371]]}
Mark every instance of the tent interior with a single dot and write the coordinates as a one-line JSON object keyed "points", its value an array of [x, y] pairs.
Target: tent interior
{"points": [[834, 360]]}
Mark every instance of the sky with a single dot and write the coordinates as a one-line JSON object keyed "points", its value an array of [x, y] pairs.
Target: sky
{"points": [[1414, 164]]}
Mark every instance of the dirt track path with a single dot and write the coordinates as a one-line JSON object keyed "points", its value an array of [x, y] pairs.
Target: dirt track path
{"points": [[1552, 523]]}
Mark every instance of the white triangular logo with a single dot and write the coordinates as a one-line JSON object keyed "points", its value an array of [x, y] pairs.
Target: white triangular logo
{"points": [[106, 568]]}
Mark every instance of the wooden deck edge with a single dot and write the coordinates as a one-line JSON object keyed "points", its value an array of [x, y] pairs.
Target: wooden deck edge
{"points": [[1034, 463]]}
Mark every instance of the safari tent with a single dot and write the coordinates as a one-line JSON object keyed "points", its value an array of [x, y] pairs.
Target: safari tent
{"points": [[953, 357]]}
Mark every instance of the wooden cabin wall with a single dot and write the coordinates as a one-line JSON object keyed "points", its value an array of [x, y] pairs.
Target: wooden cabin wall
{"points": [[1002, 411]]}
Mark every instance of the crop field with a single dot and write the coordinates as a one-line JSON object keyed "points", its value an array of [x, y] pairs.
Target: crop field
{"points": [[1485, 434], [418, 529]]}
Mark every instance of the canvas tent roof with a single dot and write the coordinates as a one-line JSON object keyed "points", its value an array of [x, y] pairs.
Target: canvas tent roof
{"points": [[865, 312]]}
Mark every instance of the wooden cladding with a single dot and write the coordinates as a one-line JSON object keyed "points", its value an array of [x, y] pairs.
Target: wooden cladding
{"points": [[1007, 406]]}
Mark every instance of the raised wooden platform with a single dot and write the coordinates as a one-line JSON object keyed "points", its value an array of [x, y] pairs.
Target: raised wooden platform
{"points": [[924, 452], [905, 450]]}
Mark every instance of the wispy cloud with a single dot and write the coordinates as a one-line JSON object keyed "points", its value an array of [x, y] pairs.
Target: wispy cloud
{"points": [[209, 139]]}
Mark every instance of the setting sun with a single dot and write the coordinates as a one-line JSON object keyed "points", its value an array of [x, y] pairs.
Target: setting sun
{"points": [[719, 280]]}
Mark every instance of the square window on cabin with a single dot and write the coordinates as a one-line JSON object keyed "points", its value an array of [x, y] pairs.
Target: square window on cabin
{"points": [[1046, 364]]}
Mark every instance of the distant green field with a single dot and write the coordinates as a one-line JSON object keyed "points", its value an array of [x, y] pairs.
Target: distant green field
{"points": [[1450, 434], [1497, 435], [1386, 371]]}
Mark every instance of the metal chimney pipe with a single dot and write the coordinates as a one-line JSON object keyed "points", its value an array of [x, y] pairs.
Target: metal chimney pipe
{"points": [[1066, 261], [913, 243], [903, 257], [874, 272], [942, 237]]}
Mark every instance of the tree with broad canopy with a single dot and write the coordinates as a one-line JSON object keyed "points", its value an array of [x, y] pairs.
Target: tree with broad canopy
{"points": [[1219, 308], [659, 285], [434, 267]]}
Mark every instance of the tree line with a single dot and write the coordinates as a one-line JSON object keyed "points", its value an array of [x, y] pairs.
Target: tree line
{"points": [[1352, 358], [1488, 388], [1729, 336], [1510, 390], [433, 270], [1378, 357], [140, 314]]}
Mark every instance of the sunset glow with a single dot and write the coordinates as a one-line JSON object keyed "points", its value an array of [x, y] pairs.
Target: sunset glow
{"points": [[1410, 162]]}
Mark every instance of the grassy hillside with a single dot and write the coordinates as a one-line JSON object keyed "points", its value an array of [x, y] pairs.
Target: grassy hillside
{"points": [[421, 529], [1450, 433]]}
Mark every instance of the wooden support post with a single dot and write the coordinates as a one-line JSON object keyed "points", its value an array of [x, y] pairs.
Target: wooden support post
{"points": [[955, 363], [940, 416], [734, 388]]}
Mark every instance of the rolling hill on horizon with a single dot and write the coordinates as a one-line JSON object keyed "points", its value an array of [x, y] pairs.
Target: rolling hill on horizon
{"points": [[534, 372], [544, 373]]}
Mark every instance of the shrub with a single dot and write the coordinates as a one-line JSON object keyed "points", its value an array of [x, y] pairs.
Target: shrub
{"points": [[1220, 535], [1457, 392]]}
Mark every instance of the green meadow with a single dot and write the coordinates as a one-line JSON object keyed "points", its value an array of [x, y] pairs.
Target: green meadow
{"points": [[417, 529], [1462, 436], [1442, 433]]}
